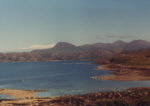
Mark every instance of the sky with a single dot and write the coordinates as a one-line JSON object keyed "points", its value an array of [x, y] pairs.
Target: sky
{"points": [[34, 24]]}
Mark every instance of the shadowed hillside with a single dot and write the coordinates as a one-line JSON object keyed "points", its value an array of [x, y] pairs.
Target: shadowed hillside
{"points": [[133, 58]]}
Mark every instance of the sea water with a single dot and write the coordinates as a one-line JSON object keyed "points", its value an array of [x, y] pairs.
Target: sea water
{"points": [[59, 78]]}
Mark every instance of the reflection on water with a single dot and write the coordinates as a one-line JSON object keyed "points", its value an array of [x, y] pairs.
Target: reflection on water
{"points": [[58, 78]]}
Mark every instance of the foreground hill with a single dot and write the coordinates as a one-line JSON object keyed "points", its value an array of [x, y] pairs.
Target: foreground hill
{"points": [[129, 97]]}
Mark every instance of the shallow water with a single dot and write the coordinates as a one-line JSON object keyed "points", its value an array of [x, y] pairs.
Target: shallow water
{"points": [[59, 78], [2, 96]]}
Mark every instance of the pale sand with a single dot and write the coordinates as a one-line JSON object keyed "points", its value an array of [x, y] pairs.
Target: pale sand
{"points": [[19, 93], [102, 67], [28, 102], [24, 98]]}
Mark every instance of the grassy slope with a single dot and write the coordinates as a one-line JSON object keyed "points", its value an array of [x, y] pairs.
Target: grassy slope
{"points": [[139, 58]]}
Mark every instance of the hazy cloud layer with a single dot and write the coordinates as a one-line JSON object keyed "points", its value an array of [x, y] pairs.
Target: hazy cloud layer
{"points": [[127, 36], [33, 47], [121, 36]]}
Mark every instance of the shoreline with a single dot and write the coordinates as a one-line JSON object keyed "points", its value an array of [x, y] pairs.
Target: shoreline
{"points": [[19, 94], [123, 73], [129, 96]]}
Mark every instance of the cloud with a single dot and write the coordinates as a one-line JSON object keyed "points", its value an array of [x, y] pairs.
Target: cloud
{"points": [[32, 47], [121, 37], [126, 36], [112, 36], [101, 37], [104, 37]]}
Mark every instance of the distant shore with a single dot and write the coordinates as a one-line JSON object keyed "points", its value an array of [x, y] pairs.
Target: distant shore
{"points": [[124, 73]]}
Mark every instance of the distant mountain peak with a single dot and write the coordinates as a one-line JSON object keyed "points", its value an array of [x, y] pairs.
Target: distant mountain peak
{"points": [[63, 45], [138, 44], [139, 41], [119, 42]]}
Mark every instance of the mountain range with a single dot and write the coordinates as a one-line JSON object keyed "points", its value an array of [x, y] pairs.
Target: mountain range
{"points": [[65, 47], [68, 51]]}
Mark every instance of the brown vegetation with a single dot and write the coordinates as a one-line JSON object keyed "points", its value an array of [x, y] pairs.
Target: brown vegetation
{"points": [[34, 57], [128, 66], [130, 97]]}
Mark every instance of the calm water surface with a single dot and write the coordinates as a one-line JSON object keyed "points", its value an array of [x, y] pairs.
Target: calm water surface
{"points": [[59, 78]]}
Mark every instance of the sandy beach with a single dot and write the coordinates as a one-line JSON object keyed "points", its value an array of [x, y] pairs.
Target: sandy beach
{"points": [[19, 94]]}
